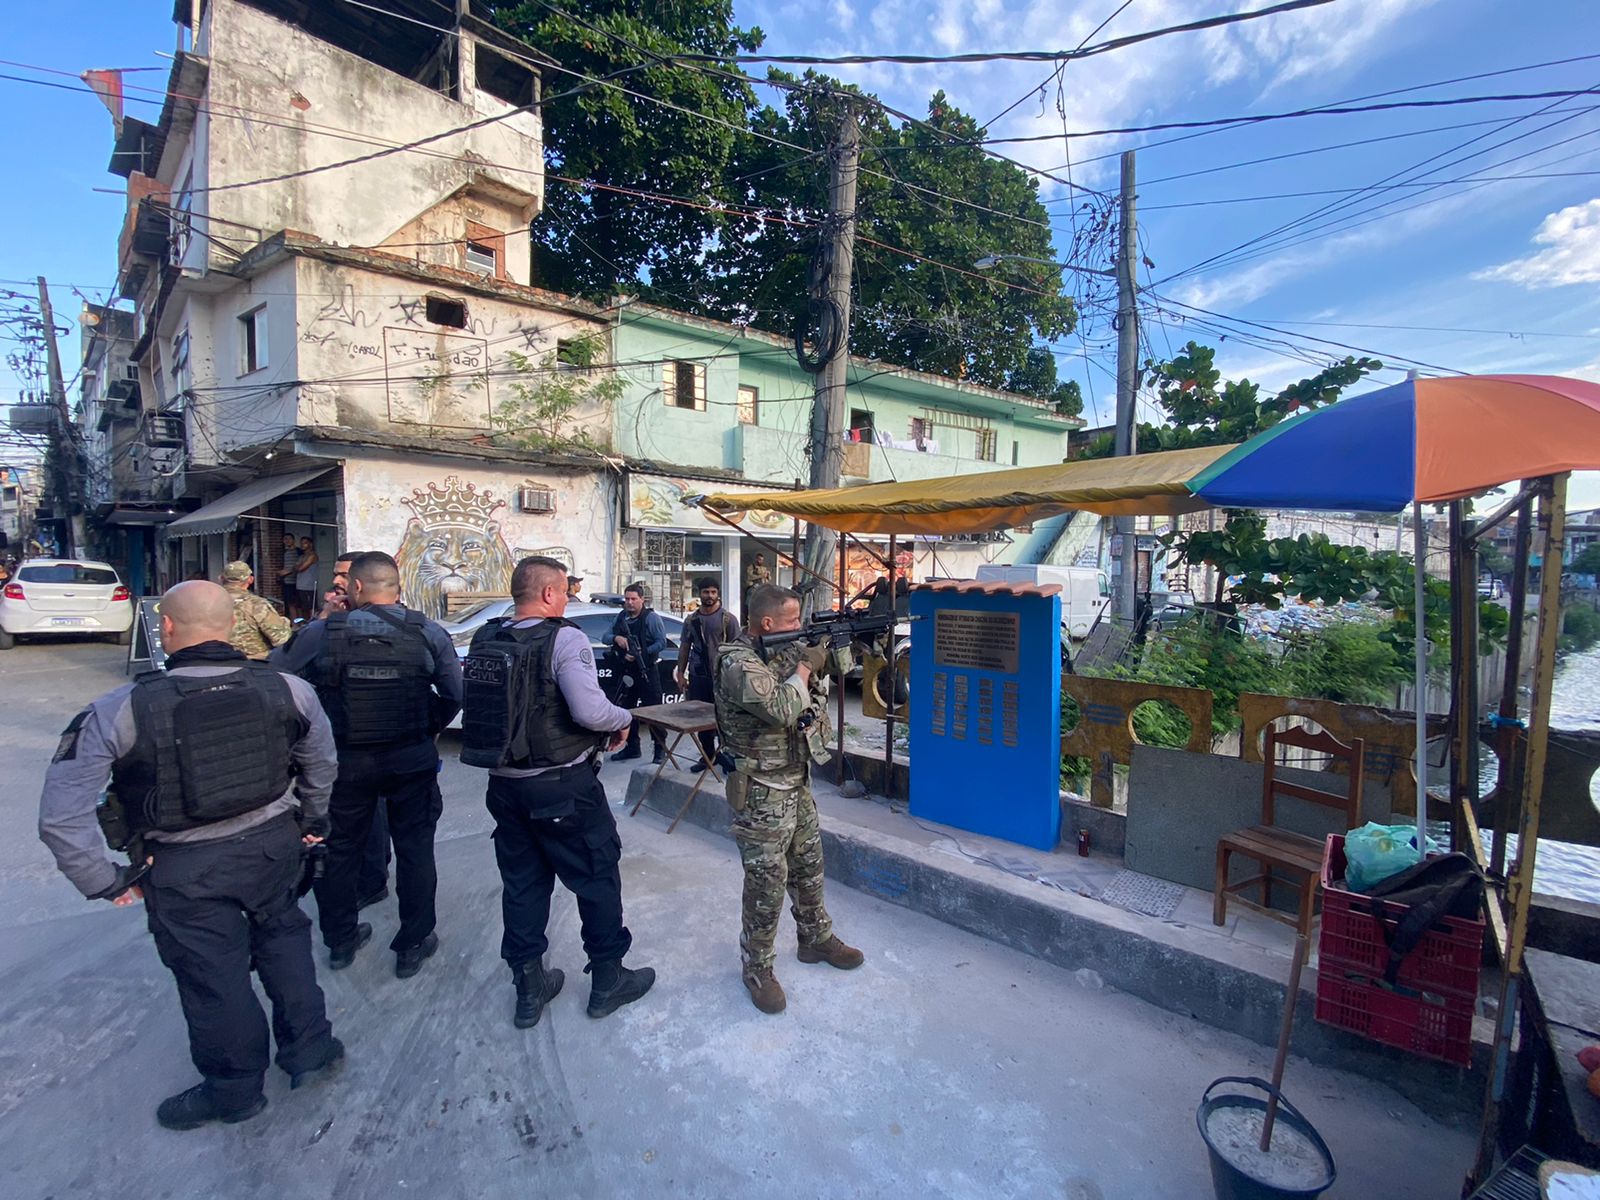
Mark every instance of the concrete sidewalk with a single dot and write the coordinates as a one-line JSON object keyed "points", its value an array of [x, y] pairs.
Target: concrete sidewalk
{"points": [[1051, 906], [949, 1065]]}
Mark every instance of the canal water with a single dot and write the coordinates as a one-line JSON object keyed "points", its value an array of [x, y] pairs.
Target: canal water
{"points": [[1564, 869]]}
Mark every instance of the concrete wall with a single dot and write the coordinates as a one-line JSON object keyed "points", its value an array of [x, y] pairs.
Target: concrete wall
{"points": [[454, 526], [307, 95], [372, 360], [1184, 802], [231, 407]]}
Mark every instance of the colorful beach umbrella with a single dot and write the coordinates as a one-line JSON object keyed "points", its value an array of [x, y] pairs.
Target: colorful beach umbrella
{"points": [[1424, 440]]}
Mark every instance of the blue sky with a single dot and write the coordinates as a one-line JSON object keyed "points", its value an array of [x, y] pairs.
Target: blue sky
{"points": [[1475, 277]]}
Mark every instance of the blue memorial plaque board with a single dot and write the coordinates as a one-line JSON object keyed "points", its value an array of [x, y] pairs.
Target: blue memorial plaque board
{"points": [[986, 714]]}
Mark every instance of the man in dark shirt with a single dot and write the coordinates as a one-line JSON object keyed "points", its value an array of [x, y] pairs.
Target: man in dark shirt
{"points": [[386, 751], [640, 636], [703, 636]]}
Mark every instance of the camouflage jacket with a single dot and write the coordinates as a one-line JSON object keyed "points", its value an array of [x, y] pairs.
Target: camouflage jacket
{"points": [[257, 625], [760, 708]]}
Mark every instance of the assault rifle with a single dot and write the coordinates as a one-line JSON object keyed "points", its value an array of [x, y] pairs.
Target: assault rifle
{"points": [[833, 629]]}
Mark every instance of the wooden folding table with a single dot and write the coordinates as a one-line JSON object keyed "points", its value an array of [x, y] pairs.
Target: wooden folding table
{"points": [[685, 718]]}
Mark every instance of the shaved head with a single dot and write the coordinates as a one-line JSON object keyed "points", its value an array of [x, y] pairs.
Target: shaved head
{"points": [[194, 612]]}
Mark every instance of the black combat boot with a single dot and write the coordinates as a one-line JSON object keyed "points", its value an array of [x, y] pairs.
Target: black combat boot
{"points": [[660, 754], [536, 987], [615, 985], [343, 956], [195, 1107]]}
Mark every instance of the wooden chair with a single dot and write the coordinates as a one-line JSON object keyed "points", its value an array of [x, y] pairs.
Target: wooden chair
{"points": [[1279, 849]]}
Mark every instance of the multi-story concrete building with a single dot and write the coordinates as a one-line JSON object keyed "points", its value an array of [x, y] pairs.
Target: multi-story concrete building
{"points": [[16, 508], [327, 249]]}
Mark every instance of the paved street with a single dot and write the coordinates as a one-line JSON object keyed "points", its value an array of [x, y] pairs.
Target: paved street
{"points": [[946, 1066]]}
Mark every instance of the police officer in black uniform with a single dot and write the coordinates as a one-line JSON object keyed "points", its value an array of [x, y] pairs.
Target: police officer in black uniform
{"points": [[536, 717], [390, 681], [221, 767]]}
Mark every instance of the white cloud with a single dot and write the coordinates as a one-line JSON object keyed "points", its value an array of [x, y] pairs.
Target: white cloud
{"points": [[1571, 254]]}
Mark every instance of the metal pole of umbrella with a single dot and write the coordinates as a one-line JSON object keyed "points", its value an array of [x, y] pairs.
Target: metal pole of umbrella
{"points": [[1419, 543]]}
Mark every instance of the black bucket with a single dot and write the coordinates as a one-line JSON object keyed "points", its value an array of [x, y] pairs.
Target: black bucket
{"points": [[1227, 1180]]}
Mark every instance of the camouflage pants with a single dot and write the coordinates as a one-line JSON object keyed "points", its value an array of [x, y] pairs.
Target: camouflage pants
{"points": [[781, 846]]}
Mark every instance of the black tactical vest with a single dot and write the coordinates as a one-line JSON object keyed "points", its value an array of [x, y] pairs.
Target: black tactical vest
{"points": [[376, 684], [210, 747], [513, 713]]}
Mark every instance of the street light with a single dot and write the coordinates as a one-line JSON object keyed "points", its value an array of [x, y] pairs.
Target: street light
{"points": [[990, 261]]}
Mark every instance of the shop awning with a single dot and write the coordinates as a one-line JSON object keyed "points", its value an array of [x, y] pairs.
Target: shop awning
{"points": [[222, 515], [1154, 484]]}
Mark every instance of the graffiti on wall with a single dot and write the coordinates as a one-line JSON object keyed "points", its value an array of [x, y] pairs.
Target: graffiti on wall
{"points": [[453, 545]]}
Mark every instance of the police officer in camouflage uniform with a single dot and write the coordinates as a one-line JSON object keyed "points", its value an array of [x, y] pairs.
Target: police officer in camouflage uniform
{"points": [[773, 726], [258, 627]]}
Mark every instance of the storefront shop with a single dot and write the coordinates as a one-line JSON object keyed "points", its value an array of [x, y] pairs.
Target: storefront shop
{"points": [[670, 547]]}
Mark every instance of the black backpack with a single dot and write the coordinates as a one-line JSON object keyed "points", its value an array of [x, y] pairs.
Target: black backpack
{"points": [[1450, 885]]}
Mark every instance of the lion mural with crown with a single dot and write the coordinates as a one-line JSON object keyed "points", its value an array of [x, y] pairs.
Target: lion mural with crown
{"points": [[453, 545]]}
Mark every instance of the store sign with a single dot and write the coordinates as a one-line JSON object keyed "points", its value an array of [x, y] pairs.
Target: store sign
{"points": [[656, 502]]}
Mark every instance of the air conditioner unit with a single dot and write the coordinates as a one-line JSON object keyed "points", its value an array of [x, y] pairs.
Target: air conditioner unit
{"points": [[536, 500], [164, 431]]}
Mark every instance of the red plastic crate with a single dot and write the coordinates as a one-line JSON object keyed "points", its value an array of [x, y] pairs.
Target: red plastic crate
{"points": [[1446, 960], [1431, 1025]]}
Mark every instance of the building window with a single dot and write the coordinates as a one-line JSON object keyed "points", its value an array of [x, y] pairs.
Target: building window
{"points": [[683, 384], [1016, 450], [443, 311], [481, 257], [986, 445], [860, 425], [180, 352], [253, 340], [749, 405], [919, 433], [503, 78], [182, 217]]}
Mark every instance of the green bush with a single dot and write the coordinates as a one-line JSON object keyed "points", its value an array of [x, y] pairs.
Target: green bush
{"points": [[1580, 627], [1351, 663]]}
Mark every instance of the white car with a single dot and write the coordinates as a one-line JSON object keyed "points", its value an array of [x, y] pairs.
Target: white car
{"points": [[56, 596]]}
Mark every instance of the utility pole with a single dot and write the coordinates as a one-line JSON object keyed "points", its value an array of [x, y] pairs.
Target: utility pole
{"points": [[66, 472], [827, 409], [1127, 580]]}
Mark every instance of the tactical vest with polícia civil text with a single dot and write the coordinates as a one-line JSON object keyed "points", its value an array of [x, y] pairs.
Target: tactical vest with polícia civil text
{"points": [[513, 713], [376, 684], [210, 747]]}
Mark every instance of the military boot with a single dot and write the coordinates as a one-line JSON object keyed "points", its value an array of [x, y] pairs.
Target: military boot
{"points": [[536, 987], [833, 952], [615, 985], [765, 991]]}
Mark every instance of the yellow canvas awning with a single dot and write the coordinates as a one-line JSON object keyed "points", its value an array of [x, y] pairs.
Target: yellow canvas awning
{"points": [[1153, 484]]}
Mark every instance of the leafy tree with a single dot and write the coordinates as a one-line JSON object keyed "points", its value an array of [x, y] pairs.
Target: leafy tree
{"points": [[551, 401], [1037, 377], [590, 240], [919, 191], [1587, 561]]}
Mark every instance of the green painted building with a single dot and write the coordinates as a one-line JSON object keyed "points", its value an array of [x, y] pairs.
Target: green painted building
{"points": [[713, 404]]}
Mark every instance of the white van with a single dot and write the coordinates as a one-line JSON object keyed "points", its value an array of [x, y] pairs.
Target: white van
{"points": [[1085, 591]]}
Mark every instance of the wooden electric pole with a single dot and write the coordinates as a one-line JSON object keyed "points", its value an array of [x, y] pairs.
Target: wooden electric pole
{"points": [[827, 409], [1126, 583]]}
